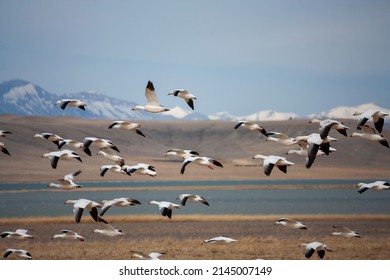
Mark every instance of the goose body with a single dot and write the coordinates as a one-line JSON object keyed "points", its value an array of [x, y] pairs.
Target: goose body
{"points": [[369, 134], [111, 155], [251, 126], [3, 133], [328, 124], [280, 138], [17, 234], [100, 143], [127, 126], [204, 161], [67, 182], [80, 205], [152, 105], [219, 240], [312, 247], [150, 256], [108, 230], [375, 186], [68, 234], [378, 117], [3, 149], [140, 168], [112, 168], [63, 103], [184, 94], [290, 223], [18, 252], [184, 198], [165, 207], [181, 153], [54, 157], [51, 137], [119, 202], [345, 232], [74, 144], [270, 161]]}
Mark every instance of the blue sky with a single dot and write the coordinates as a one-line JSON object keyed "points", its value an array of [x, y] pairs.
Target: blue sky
{"points": [[236, 56]]}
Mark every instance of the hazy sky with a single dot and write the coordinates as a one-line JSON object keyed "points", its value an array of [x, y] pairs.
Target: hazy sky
{"points": [[236, 56]]}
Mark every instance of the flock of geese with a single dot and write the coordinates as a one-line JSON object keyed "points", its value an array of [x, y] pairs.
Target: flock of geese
{"points": [[310, 146]]}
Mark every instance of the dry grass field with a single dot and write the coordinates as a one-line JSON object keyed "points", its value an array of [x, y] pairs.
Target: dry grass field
{"points": [[181, 237]]}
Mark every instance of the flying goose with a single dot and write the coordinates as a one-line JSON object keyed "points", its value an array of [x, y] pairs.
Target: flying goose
{"points": [[4, 149], [112, 155], [99, 143], [290, 223], [18, 252], [344, 232], [369, 134], [205, 161], [51, 137], [111, 167], [81, 204], [315, 246], [4, 132], [280, 138], [72, 103], [152, 105], [108, 230], [183, 198], [328, 124], [17, 234], [74, 144], [68, 234], [270, 161], [182, 93], [119, 202], [150, 256], [67, 182], [219, 240], [165, 207], [376, 115], [128, 126], [375, 186], [140, 168], [181, 153], [251, 126], [54, 157]]}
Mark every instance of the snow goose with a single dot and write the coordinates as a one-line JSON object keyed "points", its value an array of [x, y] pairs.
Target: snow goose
{"points": [[369, 134], [128, 126], [150, 256], [182, 93], [51, 137], [108, 230], [100, 143], [303, 151], [17, 234], [165, 207], [377, 116], [67, 182], [345, 232], [181, 153], [18, 252], [219, 240], [112, 155], [251, 126], [81, 204], [290, 223], [72, 103], [328, 124], [375, 186], [205, 161], [280, 138], [270, 161], [4, 132], [74, 144], [4, 149], [152, 105], [315, 246], [119, 202], [140, 168], [183, 198], [54, 157], [111, 167], [68, 234]]}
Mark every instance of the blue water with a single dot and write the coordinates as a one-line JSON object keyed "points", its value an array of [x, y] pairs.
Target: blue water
{"points": [[41, 202]]}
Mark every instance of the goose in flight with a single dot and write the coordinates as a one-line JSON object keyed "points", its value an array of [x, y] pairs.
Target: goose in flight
{"points": [[181, 153], [150, 256], [219, 240], [165, 207], [315, 246], [119, 202], [4, 132], [328, 124], [205, 161], [72, 103], [18, 252], [54, 157], [67, 182], [270, 161], [375, 186], [185, 197], [345, 232], [51, 137], [152, 104], [378, 117], [68, 234], [369, 134], [303, 151], [4, 149], [17, 234], [100, 143], [281, 138], [108, 230], [128, 126], [111, 167], [74, 144], [140, 168], [290, 223], [184, 94], [81, 204], [112, 155], [251, 126]]}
